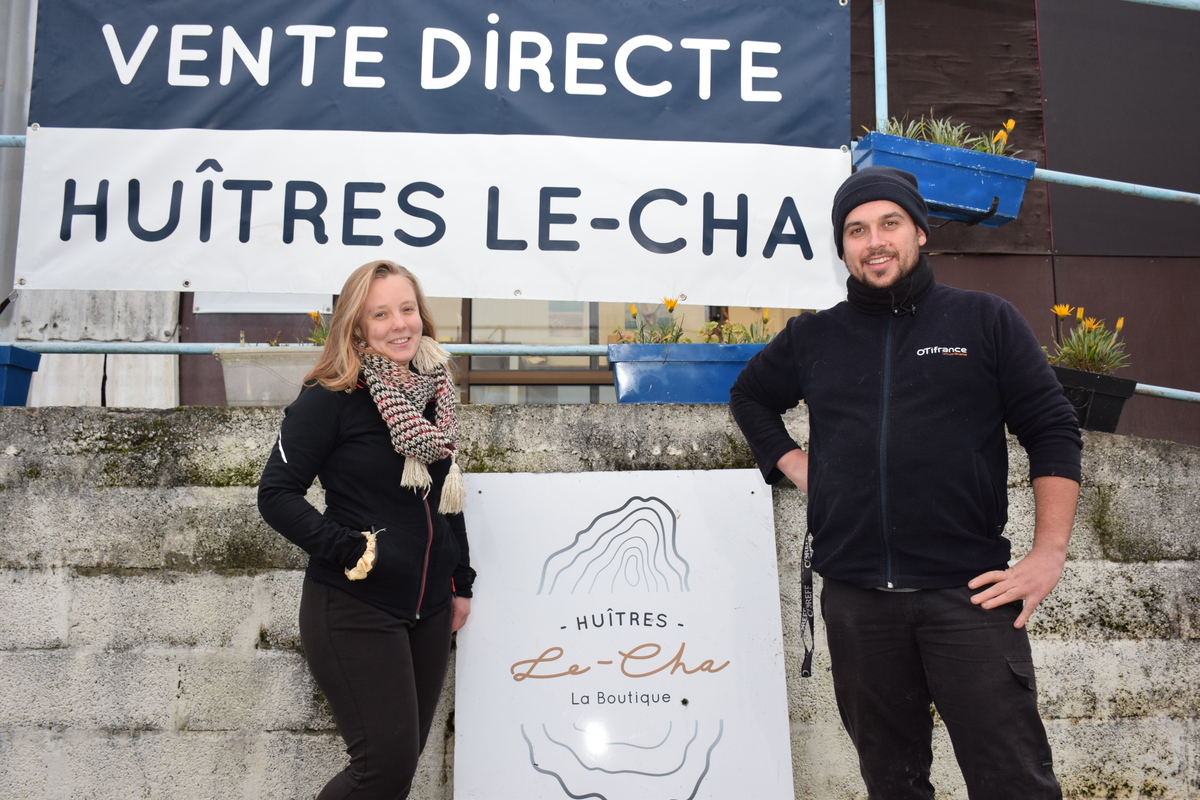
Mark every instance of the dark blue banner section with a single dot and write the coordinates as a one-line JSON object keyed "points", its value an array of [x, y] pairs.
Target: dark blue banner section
{"points": [[757, 72]]}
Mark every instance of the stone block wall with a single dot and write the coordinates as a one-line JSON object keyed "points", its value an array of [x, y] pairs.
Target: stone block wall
{"points": [[148, 641]]}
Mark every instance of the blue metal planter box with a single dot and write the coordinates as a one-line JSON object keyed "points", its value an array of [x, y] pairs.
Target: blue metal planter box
{"points": [[677, 373], [16, 370], [964, 185]]}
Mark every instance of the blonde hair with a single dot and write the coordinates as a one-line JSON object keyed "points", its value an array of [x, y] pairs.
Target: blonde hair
{"points": [[337, 369]]}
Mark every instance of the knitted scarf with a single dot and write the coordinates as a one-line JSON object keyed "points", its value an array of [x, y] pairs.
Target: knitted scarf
{"points": [[401, 395]]}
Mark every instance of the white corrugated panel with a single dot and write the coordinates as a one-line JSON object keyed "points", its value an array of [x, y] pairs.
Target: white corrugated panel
{"points": [[135, 381]]}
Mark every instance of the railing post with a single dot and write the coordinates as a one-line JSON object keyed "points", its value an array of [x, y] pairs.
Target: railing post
{"points": [[879, 25]]}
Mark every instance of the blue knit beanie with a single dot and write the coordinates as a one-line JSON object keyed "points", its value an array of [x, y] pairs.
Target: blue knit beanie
{"points": [[878, 183]]}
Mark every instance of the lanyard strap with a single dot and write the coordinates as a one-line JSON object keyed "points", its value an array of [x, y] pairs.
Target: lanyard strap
{"points": [[807, 623]]}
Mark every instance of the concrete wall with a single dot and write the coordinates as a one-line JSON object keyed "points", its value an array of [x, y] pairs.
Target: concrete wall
{"points": [[148, 642]]}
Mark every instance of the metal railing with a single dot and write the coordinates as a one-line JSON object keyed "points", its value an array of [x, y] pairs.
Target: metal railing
{"points": [[207, 348]]}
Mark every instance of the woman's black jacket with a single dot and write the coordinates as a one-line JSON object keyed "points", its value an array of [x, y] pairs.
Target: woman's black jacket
{"points": [[422, 556]]}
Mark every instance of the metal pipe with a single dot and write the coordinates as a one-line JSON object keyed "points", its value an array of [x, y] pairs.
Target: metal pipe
{"points": [[1188, 5], [7, 140], [206, 348], [879, 25], [1136, 189], [1169, 394]]}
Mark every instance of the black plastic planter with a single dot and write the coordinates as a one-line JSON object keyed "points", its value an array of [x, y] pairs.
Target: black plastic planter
{"points": [[1097, 399]]}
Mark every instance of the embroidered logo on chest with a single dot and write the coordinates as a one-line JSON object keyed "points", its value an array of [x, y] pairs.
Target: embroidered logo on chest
{"points": [[942, 351]]}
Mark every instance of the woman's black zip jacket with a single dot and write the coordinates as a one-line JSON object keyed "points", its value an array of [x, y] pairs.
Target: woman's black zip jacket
{"points": [[908, 464], [422, 556]]}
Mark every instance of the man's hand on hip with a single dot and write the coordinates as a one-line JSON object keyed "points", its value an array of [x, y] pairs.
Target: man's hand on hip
{"points": [[1031, 579]]}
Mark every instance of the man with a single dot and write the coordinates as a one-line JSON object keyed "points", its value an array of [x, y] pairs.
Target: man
{"points": [[909, 385]]}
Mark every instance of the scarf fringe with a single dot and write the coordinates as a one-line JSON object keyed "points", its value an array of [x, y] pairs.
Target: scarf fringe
{"points": [[430, 356], [416, 474], [454, 494]]}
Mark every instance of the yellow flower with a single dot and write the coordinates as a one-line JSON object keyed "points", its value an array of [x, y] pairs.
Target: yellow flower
{"points": [[1008, 126], [670, 303], [1001, 136], [315, 316], [1090, 346], [766, 314], [633, 310]]}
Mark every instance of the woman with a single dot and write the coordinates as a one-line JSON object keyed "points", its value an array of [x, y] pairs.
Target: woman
{"points": [[389, 578]]}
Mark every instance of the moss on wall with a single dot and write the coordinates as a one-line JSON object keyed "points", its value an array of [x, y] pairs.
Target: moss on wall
{"points": [[1118, 539], [486, 458]]}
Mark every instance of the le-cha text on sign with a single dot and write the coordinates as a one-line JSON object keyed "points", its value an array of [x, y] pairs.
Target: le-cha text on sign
{"points": [[302, 208]]}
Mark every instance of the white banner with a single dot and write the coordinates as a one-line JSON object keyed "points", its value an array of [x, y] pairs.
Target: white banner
{"points": [[625, 639], [536, 217], [614, 150]]}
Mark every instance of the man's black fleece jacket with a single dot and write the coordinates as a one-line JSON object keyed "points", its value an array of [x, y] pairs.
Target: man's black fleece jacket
{"points": [[908, 465]]}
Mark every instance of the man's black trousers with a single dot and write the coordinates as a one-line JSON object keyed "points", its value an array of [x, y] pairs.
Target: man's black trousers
{"points": [[895, 653]]}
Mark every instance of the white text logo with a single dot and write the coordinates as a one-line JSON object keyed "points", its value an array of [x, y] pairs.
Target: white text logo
{"points": [[942, 351]]}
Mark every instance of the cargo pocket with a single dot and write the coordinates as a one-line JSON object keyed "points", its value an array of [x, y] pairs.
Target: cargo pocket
{"points": [[1022, 670]]}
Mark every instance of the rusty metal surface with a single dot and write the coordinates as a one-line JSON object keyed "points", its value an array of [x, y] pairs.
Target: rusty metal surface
{"points": [[976, 63], [1120, 102], [1026, 281]]}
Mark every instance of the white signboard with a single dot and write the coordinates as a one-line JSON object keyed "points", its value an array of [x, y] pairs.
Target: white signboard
{"points": [[625, 639]]}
